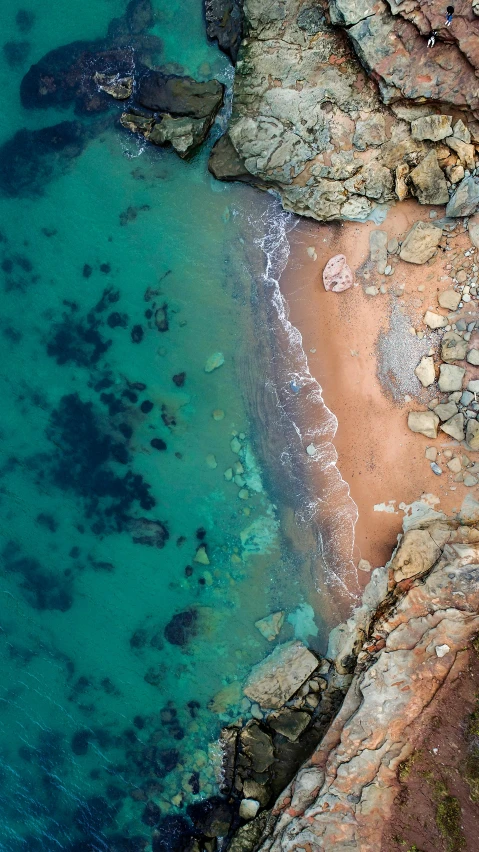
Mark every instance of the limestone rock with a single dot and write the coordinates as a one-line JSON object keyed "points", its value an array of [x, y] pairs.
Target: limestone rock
{"points": [[473, 357], [434, 127], [428, 181], [289, 723], [461, 132], [273, 681], [453, 347], [454, 427], [433, 320], [465, 199], [337, 275], [424, 422], [472, 434], [450, 378], [378, 254], [420, 243], [370, 132], [270, 626], [465, 152], [449, 299], [401, 187], [425, 371], [415, 555]]}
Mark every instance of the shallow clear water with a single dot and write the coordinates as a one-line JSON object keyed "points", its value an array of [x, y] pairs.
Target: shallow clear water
{"points": [[107, 701]]}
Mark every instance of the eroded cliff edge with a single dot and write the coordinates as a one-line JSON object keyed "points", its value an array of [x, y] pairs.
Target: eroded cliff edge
{"points": [[327, 102], [410, 639]]}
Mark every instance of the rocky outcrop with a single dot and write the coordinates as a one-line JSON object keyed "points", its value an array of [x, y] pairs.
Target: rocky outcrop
{"points": [[418, 615], [224, 23], [308, 122]]}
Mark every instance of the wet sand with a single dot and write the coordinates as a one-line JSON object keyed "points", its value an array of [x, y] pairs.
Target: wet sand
{"points": [[378, 456]]}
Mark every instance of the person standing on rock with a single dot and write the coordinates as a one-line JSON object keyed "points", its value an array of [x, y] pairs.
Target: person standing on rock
{"points": [[449, 14], [432, 39]]}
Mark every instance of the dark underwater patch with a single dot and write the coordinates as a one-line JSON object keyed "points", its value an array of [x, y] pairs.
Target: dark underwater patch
{"points": [[24, 20], [182, 627], [32, 157], [41, 588], [78, 341], [16, 53]]}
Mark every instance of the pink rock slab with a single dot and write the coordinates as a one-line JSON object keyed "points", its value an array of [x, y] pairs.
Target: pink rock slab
{"points": [[337, 275]]}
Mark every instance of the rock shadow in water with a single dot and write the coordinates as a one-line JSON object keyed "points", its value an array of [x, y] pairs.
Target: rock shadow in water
{"points": [[31, 158]]}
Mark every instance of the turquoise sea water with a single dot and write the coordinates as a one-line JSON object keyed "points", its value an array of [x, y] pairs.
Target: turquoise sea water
{"points": [[122, 658]]}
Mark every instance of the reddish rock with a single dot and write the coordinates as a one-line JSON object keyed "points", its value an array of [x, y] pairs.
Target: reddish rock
{"points": [[337, 275]]}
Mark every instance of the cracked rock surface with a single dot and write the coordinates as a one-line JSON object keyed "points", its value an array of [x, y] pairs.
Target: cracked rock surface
{"points": [[415, 642]]}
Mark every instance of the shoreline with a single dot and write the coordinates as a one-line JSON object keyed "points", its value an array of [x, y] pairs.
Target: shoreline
{"points": [[379, 458]]}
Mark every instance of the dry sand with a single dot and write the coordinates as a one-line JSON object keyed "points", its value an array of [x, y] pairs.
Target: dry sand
{"points": [[383, 462]]}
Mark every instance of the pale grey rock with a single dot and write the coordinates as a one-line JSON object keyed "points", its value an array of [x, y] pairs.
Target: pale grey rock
{"points": [[461, 132], [472, 434], [449, 299], [429, 183], [248, 808], [214, 362], [450, 378], [370, 133], [433, 320], [424, 422], [446, 410], [473, 357], [465, 199], [454, 427], [420, 242], [425, 371], [434, 127], [378, 253], [393, 246], [464, 152], [473, 386], [273, 681], [473, 228]]}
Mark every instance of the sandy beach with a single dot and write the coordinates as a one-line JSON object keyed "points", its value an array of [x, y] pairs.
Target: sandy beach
{"points": [[383, 462]]}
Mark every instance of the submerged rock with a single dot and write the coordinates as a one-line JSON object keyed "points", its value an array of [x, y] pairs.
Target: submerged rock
{"points": [[270, 626], [214, 361]]}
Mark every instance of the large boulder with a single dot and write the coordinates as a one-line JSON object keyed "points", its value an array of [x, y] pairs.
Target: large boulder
{"points": [[429, 183], [416, 554], [420, 243], [273, 681], [465, 200], [180, 95], [337, 275]]}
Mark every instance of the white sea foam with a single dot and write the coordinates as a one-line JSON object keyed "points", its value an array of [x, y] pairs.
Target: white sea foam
{"points": [[332, 512]]}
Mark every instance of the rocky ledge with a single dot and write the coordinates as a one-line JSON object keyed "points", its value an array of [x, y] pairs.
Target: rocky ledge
{"points": [[333, 142], [405, 644]]}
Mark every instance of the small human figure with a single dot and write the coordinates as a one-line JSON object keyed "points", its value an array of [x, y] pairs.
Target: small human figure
{"points": [[449, 14], [432, 39]]}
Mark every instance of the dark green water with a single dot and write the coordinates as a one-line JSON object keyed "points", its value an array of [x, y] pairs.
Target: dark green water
{"points": [[107, 702]]}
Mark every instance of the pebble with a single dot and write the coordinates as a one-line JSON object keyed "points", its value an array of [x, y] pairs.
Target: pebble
{"points": [[311, 450], [469, 480], [235, 445], [455, 465], [421, 288], [228, 474], [436, 469], [214, 361], [211, 461], [431, 454], [312, 253], [218, 414], [243, 494], [371, 291], [388, 270]]}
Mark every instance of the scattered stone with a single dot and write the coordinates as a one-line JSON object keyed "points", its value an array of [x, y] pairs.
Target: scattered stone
{"points": [[436, 469], [466, 397], [424, 422], [431, 454], [455, 465], [465, 152], [472, 434], [469, 480], [473, 386], [235, 445], [473, 228], [454, 427], [275, 679], [337, 275], [243, 494], [461, 132], [218, 414], [433, 127], [228, 474], [211, 461], [442, 650], [453, 347], [465, 199], [378, 241], [311, 251], [449, 299], [420, 242], [433, 320], [473, 357], [364, 565], [248, 808], [450, 378], [429, 183], [270, 626], [393, 246], [289, 723], [425, 371], [371, 291], [445, 410], [214, 361]]}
